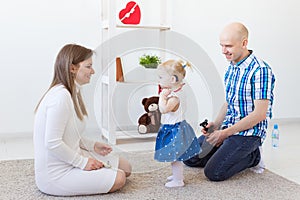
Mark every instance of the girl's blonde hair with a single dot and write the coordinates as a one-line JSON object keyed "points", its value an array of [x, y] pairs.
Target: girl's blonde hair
{"points": [[70, 54], [175, 68]]}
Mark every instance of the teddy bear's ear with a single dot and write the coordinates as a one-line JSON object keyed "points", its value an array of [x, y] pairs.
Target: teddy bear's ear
{"points": [[144, 101]]}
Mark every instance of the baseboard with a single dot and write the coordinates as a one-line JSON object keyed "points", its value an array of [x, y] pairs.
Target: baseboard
{"points": [[16, 135], [285, 120]]}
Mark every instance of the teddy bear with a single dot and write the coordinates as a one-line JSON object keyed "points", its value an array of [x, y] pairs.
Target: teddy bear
{"points": [[149, 122]]}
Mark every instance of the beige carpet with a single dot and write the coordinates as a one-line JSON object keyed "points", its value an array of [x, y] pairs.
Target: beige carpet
{"points": [[148, 179]]}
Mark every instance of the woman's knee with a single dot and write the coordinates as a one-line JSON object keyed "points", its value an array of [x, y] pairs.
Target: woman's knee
{"points": [[119, 181], [125, 166]]}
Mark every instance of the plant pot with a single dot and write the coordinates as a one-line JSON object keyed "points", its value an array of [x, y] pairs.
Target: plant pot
{"points": [[151, 65]]}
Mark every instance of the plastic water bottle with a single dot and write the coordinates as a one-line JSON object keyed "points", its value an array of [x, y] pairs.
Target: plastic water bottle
{"points": [[275, 136]]}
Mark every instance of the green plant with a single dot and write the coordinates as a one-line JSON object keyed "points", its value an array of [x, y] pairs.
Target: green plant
{"points": [[150, 61]]}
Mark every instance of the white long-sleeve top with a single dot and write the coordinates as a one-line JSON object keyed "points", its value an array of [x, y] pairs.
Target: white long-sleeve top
{"points": [[57, 136]]}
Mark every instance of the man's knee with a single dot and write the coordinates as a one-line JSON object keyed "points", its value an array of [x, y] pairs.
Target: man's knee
{"points": [[213, 174]]}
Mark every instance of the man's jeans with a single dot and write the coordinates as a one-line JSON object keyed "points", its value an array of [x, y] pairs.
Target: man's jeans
{"points": [[234, 155]]}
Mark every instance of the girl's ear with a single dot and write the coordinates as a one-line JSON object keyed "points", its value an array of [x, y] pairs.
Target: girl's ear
{"points": [[174, 79]]}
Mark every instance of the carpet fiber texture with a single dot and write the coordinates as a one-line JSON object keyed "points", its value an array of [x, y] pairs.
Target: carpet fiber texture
{"points": [[148, 179]]}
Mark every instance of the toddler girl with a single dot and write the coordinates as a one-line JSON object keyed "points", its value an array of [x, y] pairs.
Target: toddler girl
{"points": [[176, 140]]}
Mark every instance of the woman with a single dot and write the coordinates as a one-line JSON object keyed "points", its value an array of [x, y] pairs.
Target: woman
{"points": [[65, 162]]}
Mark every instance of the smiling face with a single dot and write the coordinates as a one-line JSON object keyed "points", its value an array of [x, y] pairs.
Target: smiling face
{"points": [[231, 49], [84, 71], [234, 40]]}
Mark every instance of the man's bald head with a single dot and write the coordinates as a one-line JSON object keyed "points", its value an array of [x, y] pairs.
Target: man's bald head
{"points": [[234, 41], [235, 31]]}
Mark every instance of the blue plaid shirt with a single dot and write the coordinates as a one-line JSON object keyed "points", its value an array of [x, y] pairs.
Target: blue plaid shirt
{"points": [[246, 81]]}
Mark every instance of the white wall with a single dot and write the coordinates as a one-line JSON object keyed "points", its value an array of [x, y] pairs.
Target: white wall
{"points": [[33, 31], [274, 28]]}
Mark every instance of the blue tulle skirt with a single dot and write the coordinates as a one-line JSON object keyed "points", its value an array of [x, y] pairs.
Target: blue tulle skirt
{"points": [[176, 142]]}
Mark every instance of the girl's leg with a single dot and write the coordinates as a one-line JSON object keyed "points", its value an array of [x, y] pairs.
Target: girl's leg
{"points": [[177, 178]]}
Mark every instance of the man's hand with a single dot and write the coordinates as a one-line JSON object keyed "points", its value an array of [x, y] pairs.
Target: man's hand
{"points": [[93, 164], [216, 138], [102, 148], [209, 128]]}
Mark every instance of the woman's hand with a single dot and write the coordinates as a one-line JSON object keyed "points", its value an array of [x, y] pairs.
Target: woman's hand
{"points": [[93, 164], [102, 148]]}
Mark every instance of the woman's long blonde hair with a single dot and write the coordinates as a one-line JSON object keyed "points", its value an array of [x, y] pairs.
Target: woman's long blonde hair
{"points": [[70, 54]]}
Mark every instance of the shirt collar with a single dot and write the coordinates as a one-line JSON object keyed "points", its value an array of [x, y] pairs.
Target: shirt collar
{"points": [[243, 63]]}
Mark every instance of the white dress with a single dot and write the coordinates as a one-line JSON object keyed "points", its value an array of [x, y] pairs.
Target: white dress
{"points": [[59, 160]]}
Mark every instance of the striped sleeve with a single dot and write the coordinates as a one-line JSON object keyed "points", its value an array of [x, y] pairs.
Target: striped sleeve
{"points": [[262, 83]]}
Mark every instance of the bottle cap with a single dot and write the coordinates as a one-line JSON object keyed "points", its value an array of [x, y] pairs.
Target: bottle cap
{"points": [[275, 126]]}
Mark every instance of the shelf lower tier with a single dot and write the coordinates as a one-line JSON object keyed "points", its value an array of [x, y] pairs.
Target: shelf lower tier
{"points": [[125, 134]]}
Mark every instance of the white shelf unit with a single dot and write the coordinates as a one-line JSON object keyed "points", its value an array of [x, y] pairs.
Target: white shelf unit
{"points": [[112, 98], [111, 130]]}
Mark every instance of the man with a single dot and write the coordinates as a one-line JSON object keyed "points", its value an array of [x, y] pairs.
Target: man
{"points": [[241, 124]]}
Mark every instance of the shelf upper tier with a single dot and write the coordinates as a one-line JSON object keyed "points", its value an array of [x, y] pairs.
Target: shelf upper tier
{"points": [[105, 25]]}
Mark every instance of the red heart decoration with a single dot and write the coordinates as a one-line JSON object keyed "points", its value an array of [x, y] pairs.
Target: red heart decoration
{"points": [[131, 14]]}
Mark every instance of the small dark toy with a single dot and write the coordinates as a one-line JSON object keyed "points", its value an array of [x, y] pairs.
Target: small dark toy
{"points": [[149, 122], [204, 124]]}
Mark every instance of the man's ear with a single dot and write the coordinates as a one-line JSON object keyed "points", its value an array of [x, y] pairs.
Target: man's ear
{"points": [[174, 79], [245, 43]]}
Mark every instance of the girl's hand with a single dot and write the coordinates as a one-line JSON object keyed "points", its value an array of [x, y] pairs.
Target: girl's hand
{"points": [[166, 92], [93, 164], [102, 149]]}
